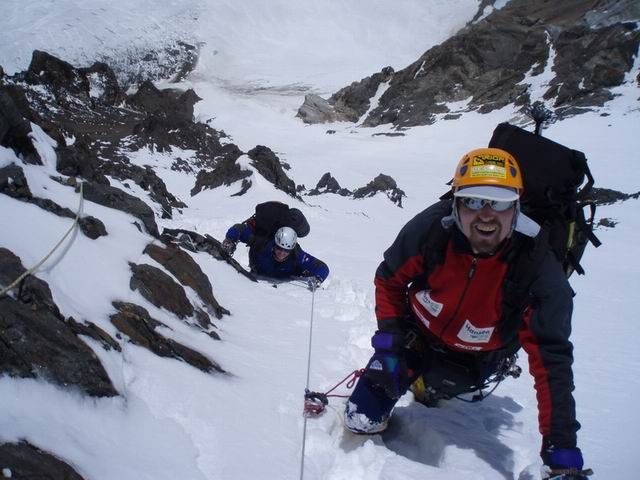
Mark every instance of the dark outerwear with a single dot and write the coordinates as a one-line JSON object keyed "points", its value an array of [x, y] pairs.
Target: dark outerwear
{"points": [[543, 330]]}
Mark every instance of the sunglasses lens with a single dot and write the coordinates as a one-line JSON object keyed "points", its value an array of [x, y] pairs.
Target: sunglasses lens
{"points": [[473, 203], [501, 206]]}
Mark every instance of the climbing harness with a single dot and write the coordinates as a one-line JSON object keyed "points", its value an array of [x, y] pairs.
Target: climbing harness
{"points": [[18, 281]]}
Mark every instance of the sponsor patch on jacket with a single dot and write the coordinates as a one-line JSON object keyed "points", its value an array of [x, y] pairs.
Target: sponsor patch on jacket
{"points": [[470, 334], [433, 307]]}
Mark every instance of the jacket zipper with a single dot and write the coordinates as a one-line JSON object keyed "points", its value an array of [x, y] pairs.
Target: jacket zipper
{"points": [[470, 273]]}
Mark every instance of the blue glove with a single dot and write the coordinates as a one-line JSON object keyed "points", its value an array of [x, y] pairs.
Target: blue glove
{"points": [[563, 464], [229, 246], [388, 366]]}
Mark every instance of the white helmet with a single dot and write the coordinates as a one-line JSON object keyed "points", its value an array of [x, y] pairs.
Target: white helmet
{"points": [[286, 238]]}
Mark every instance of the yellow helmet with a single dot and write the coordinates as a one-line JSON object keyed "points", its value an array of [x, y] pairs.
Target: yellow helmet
{"points": [[490, 167]]}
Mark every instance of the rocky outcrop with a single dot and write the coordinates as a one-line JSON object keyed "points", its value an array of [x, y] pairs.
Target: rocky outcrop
{"points": [[23, 460], [269, 166], [347, 104], [136, 323], [588, 47], [113, 197], [160, 289], [382, 183], [228, 171], [14, 184], [194, 242], [328, 184], [37, 342], [15, 130], [188, 272], [88, 106]]}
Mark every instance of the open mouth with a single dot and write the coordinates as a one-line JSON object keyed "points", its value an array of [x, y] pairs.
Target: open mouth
{"points": [[485, 230]]}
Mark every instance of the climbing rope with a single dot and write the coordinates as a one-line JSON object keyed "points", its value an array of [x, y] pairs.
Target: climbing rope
{"points": [[306, 389], [18, 280], [315, 403]]}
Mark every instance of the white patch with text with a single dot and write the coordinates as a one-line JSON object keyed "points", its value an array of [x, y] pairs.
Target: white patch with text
{"points": [[433, 307], [470, 334]]}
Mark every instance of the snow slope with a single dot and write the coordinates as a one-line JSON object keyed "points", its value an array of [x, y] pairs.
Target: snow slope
{"points": [[172, 421]]}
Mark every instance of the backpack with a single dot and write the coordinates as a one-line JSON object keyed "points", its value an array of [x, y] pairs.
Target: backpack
{"points": [[554, 195], [270, 216]]}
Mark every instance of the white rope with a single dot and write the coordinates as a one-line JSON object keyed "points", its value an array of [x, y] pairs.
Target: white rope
{"points": [[17, 281], [304, 429]]}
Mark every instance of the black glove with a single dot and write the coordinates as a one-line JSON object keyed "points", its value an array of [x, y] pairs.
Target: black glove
{"points": [[229, 246], [388, 366]]}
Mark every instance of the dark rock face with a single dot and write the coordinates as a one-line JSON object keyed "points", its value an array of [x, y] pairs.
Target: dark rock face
{"points": [[188, 272], [592, 46], [60, 75], [328, 184], [35, 340], [135, 322], [89, 105], [26, 461], [225, 173], [194, 242], [269, 166], [33, 291], [173, 109], [347, 104], [103, 84], [382, 183], [91, 330], [14, 184], [160, 289], [606, 196], [115, 198], [15, 130]]}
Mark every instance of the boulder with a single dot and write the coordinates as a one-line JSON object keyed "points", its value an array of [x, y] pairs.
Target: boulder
{"points": [[23, 460], [188, 272], [136, 323], [160, 289]]}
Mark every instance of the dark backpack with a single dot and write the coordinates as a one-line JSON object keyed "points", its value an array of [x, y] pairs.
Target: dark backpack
{"points": [[270, 216], [554, 194]]}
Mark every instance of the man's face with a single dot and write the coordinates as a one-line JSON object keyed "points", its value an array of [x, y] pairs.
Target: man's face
{"points": [[280, 254], [485, 228]]}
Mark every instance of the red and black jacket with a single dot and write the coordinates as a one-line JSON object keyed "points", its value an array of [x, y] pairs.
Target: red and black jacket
{"points": [[463, 303]]}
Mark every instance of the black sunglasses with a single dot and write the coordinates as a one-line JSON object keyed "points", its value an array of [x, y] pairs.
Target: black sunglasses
{"points": [[473, 203]]}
